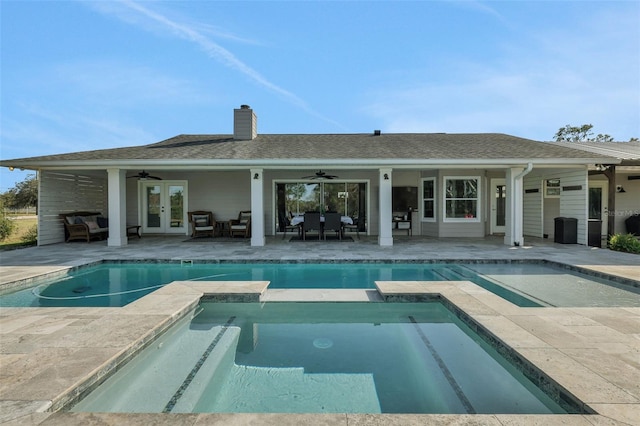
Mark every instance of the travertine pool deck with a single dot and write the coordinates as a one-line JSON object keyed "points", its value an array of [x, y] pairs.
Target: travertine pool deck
{"points": [[49, 355]]}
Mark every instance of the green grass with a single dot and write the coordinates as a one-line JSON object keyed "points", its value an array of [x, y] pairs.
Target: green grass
{"points": [[21, 228]]}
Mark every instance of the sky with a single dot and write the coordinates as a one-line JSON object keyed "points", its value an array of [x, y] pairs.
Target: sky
{"points": [[85, 75]]}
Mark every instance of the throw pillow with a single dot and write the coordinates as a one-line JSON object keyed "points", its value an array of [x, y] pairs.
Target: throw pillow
{"points": [[92, 225], [103, 222]]}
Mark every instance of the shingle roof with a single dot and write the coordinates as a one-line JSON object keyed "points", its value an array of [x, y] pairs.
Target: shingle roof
{"points": [[290, 147], [629, 152]]}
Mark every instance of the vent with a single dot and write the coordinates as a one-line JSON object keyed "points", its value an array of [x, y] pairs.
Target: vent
{"points": [[376, 133]]}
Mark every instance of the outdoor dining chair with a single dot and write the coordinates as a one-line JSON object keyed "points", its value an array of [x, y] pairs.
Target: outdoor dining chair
{"points": [[311, 223], [332, 222]]}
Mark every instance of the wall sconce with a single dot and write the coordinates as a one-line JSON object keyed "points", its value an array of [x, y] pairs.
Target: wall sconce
{"points": [[386, 176], [256, 176], [620, 189]]}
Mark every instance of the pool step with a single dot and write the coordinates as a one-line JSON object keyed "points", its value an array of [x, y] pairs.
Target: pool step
{"points": [[291, 390]]}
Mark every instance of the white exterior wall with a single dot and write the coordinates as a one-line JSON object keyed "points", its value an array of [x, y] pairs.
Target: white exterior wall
{"points": [[63, 193], [575, 203], [532, 215], [225, 193], [628, 202]]}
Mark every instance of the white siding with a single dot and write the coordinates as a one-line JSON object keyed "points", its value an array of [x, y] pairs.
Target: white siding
{"points": [[574, 203], [62, 193], [532, 208], [628, 202]]}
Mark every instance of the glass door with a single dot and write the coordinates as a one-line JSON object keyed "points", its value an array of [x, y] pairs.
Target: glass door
{"points": [[498, 206], [163, 207]]}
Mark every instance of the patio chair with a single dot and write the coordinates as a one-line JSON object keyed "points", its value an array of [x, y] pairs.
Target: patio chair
{"points": [[202, 223], [332, 222], [311, 223], [350, 227], [285, 225], [242, 225]]}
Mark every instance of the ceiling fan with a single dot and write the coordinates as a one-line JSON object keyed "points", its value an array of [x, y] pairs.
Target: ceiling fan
{"points": [[145, 175], [320, 175]]}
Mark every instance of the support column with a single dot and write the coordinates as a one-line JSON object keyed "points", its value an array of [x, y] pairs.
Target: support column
{"points": [[257, 207], [117, 199], [610, 173], [514, 228], [385, 236]]}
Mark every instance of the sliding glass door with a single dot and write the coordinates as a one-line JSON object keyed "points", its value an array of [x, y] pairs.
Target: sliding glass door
{"points": [[296, 198]]}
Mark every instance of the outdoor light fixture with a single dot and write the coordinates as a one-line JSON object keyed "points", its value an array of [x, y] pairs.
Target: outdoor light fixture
{"points": [[256, 176], [386, 176], [620, 189], [11, 168], [601, 167]]}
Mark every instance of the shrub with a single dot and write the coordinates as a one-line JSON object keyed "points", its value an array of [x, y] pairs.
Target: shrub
{"points": [[625, 242], [6, 226], [31, 236]]}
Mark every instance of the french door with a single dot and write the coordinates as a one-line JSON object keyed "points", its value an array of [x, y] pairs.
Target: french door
{"points": [[163, 207]]}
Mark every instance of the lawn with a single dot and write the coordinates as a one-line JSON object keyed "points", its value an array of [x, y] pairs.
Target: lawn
{"points": [[21, 228]]}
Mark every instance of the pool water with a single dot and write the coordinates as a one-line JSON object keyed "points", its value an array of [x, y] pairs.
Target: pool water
{"points": [[523, 284], [320, 358]]}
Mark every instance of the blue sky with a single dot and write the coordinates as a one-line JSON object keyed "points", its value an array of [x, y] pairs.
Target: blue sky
{"points": [[103, 74]]}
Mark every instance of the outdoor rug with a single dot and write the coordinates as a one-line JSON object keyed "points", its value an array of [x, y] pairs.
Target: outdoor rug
{"points": [[329, 238], [217, 240]]}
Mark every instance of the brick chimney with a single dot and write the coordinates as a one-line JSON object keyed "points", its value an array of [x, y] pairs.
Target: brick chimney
{"points": [[245, 123]]}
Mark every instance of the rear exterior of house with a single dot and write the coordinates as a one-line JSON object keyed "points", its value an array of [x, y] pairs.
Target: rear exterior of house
{"points": [[436, 185]]}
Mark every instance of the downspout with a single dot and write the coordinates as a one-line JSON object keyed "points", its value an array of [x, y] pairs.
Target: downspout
{"points": [[525, 171], [518, 231]]}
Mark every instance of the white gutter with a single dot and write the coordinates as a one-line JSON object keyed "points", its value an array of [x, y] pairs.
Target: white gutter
{"points": [[525, 171]]}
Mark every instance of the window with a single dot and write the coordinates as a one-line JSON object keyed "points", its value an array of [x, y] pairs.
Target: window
{"points": [[552, 188], [461, 199], [429, 199]]}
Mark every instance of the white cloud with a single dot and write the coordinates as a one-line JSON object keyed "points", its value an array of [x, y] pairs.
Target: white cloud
{"points": [[149, 19], [541, 82]]}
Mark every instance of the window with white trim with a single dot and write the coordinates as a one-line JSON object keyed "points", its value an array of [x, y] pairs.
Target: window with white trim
{"points": [[461, 199], [429, 199]]}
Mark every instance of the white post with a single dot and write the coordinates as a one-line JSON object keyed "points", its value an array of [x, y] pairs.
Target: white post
{"points": [[514, 209], [117, 190], [257, 207], [385, 236]]}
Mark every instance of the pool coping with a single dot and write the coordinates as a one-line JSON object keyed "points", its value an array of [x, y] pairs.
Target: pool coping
{"points": [[61, 271], [559, 341]]}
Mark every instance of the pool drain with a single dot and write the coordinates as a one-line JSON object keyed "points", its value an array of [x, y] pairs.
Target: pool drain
{"points": [[322, 343]]}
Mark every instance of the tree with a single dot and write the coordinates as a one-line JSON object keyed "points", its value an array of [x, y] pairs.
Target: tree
{"points": [[582, 133], [23, 194]]}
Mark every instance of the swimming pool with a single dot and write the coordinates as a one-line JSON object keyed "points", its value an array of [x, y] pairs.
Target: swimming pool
{"points": [[322, 358], [524, 284]]}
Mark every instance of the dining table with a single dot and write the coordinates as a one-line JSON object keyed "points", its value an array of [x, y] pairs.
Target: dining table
{"points": [[298, 220]]}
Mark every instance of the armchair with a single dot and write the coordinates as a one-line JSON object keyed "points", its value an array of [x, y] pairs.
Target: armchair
{"points": [[241, 225], [202, 223]]}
